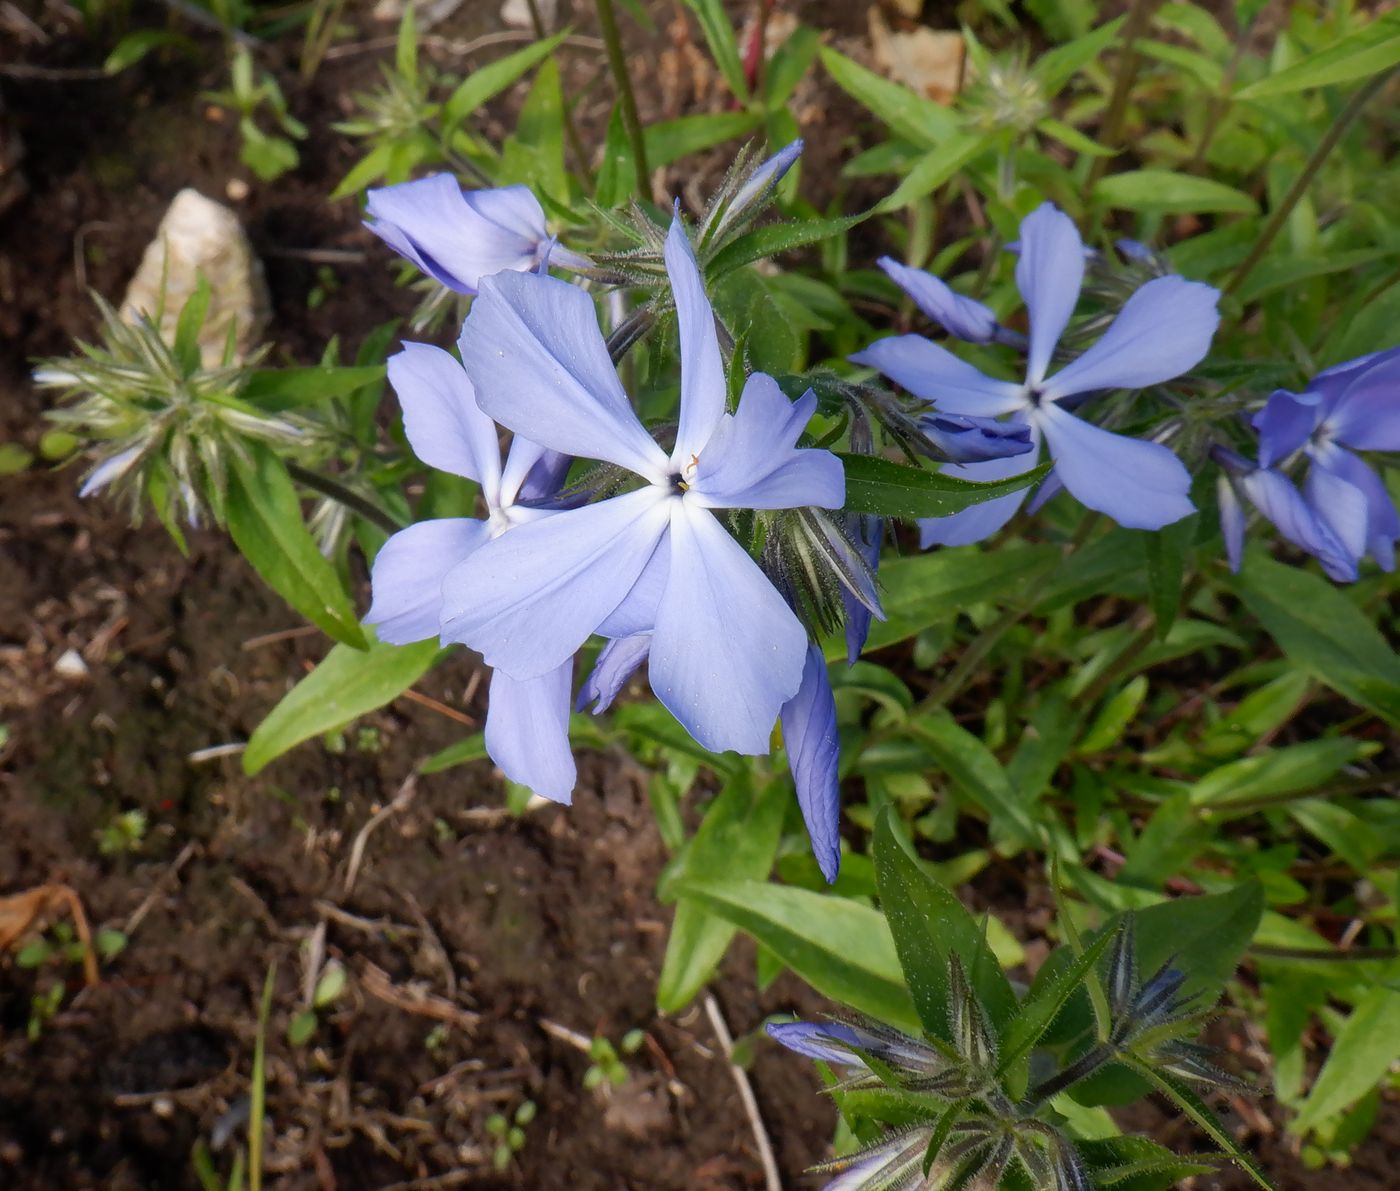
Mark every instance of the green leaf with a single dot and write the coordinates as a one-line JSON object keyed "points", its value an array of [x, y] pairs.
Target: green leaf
{"points": [[1323, 631], [1281, 771], [977, 773], [1363, 1052], [790, 61], [1057, 66], [470, 748], [934, 168], [1166, 566], [535, 154], [1072, 138], [773, 238], [618, 172], [876, 485], [929, 924], [1138, 1164], [719, 34], [264, 517], [1113, 719], [912, 116], [189, 324], [1197, 1109], [669, 140], [1369, 50], [841, 948], [1163, 192], [927, 589], [737, 840], [347, 684], [488, 82], [135, 46], [278, 389], [1044, 1001]]}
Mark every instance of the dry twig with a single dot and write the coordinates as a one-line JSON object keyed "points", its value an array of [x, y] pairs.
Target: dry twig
{"points": [[772, 1180], [357, 849]]}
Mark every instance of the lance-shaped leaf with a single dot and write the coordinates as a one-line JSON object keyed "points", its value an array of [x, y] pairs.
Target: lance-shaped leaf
{"points": [[347, 684], [875, 485], [264, 517]]}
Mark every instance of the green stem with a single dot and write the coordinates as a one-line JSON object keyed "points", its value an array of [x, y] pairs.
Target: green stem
{"points": [[607, 18], [1355, 105], [1220, 101], [351, 499], [1133, 650], [1352, 954], [1136, 25]]}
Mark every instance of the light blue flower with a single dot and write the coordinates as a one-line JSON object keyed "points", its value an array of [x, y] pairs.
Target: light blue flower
{"points": [[527, 722], [726, 651], [1352, 407], [1293, 515], [1164, 329], [459, 237]]}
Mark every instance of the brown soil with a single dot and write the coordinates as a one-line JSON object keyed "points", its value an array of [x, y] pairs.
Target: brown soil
{"points": [[474, 942]]}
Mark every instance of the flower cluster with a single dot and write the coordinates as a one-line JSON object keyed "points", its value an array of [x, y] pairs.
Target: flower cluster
{"points": [[651, 563], [1343, 511]]}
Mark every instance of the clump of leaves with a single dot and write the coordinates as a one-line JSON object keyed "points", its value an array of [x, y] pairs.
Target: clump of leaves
{"points": [[988, 1093]]}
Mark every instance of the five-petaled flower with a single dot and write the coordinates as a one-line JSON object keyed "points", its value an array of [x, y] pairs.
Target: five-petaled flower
{"points": [[460, 236], [726, 651], [1163, 330]]}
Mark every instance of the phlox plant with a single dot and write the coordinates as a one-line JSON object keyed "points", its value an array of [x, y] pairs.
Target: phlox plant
{"points": [[953, 532]]}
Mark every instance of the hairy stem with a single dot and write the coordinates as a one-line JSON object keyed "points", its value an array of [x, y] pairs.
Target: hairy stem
{"points": [[359, 505], [1354, 107], [1081, 1068], [1112, 130], [631, 122]]}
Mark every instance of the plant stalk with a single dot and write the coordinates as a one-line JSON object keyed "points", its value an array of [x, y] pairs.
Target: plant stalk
{"points": [[352, 500], [1138, 19], [1354, 107], [631, 122]]}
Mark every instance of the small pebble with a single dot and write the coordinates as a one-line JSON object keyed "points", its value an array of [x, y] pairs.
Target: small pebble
{"points": [[71, 665], [237, 189]]}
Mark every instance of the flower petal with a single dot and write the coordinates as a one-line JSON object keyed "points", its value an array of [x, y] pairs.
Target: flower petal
{"points": [[963, 439], [537, 359], [1366, 414], [617, 662], [1141, 485], [1163, 330], [406, 579], [1232, 521], [814, 753], [443, 423], [728, 652], [752, 460], [527, 600], [828, 1042], [1049, 274], [456, 239], [1284, 425], [982, 520], [868, 532], [1274, 495], [527, 731], [704, 389], [962, 317], [1382, 521], [936, 375]]}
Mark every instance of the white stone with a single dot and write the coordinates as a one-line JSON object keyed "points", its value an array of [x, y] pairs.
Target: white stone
{"points": [[71, 665], [198, 236]]}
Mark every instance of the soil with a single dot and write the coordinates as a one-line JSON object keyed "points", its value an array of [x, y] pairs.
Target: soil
{"points": [[479, 947]]}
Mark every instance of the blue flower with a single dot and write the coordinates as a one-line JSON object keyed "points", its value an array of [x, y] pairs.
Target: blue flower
{"points": [[527, 723], [963, 318], [1164, 329], [459, 237], [1278, 499], [1354, 405], [962, 439], [726, 651], [757, 187]]}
